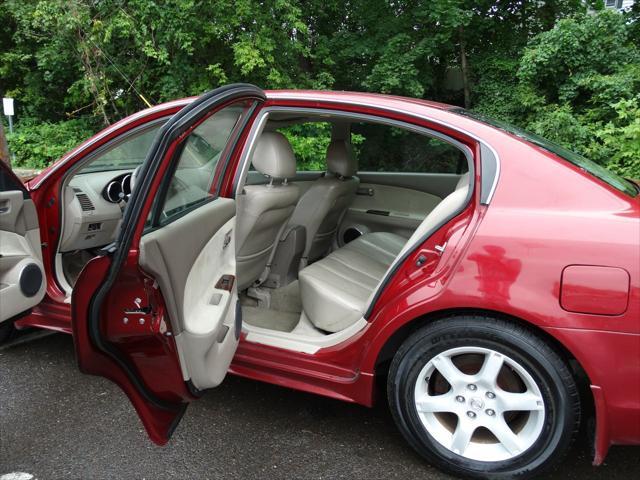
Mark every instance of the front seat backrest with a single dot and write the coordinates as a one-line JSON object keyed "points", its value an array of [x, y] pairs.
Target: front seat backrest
{"points": [[264, 210], [322, 207]]}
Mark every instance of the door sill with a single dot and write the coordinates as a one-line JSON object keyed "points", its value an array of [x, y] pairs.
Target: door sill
{"points": [[300, 342], [49, 315]]}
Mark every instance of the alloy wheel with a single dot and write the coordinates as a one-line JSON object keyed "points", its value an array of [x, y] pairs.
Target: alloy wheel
{"points": [[479, 403]]}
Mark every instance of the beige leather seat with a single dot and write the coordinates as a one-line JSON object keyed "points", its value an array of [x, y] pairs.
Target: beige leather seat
{"points": [[322, 207], [336, 290], [264, 210]]}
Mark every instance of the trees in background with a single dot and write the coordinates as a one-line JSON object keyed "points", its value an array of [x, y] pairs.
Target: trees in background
{"points": [[577, 84], [547, 65], [4, 148]]}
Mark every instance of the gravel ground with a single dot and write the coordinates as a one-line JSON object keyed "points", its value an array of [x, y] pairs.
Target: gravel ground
{"points": [[56, 423]]}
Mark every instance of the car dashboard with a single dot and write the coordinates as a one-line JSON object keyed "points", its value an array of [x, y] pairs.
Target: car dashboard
{"points": [[94, 202], [93, 205]]}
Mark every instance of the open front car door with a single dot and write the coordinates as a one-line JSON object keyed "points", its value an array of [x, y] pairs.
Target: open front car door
{"points": [[158, 312], [22, 278]]}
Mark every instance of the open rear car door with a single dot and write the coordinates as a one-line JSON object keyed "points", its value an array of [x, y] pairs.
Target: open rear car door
{"points": [[158, 312], [22, 279]]}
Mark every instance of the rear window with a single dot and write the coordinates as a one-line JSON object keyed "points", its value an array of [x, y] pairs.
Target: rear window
{"points": [[581, 162]]}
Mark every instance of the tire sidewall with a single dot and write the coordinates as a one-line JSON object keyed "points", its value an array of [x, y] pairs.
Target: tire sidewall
{"points": [[544, 368]]}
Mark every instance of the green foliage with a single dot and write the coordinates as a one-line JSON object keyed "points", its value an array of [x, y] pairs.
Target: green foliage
{"points": [[38, 144], [619, 140], [309, 142], [560, 63], [495, 93], [576, 84], [547, 66], [383, 148]]}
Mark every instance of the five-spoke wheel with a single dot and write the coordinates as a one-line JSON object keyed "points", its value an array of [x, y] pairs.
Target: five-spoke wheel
{"points": [[492, 408], [482, 397]]}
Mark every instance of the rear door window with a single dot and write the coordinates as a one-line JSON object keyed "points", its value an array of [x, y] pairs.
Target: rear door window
{"points": [[384, 148]]}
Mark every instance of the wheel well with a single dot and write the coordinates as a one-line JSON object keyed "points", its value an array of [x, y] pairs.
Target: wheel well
{"points": [[393, 344]]}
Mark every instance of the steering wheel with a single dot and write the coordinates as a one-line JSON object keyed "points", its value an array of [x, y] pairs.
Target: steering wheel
{"points": [[134, 177]]}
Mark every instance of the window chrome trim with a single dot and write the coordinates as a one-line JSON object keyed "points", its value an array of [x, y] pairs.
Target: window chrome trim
{"points": [[489, 159], [490, 166], [493, 162]]}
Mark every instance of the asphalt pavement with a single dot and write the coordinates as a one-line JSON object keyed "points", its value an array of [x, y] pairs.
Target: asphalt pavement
{"points": [[56, 423]]}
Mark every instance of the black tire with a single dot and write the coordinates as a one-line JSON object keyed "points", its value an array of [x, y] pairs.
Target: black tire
{"points": [[549, 372], [6, 331]]}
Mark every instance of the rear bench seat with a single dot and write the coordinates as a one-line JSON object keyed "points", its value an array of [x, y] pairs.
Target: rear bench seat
{"points": [[335, 291]]}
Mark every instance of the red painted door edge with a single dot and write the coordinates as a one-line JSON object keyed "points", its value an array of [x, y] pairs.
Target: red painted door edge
{"points": [[142, 357]]}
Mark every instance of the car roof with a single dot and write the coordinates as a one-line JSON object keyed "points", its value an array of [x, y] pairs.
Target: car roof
{"points": [[342, 96], [379, 100], [374, 100]]}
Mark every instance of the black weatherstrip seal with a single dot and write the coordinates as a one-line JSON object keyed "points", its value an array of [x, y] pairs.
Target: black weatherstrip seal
{"points": [[169, 132]]}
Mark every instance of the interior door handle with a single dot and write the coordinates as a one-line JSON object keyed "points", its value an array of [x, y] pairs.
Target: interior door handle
{"points": [[227, 239], [4, 210], [365, 191]]}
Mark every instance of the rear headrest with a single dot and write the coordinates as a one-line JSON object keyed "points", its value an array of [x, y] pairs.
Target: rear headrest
{"points": [[273, 156], [463, 181], [340, 160]]}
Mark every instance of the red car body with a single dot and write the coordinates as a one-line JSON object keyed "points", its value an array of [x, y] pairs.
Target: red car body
{"points": [[554, 242]]}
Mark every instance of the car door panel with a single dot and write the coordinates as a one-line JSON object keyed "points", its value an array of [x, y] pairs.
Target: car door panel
{"points": [[394, 202], [150, 287], [22, 280], [160, 400], [438, 184], [188, 258]]}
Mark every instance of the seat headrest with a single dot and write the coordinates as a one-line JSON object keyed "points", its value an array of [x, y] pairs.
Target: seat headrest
{"points": [[273, 156], [340, 159]]}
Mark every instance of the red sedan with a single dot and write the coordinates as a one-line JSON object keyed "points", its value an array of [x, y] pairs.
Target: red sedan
{"points": [[331, 241]]}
